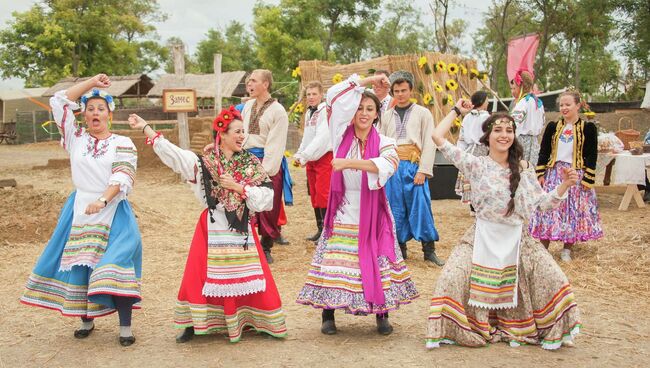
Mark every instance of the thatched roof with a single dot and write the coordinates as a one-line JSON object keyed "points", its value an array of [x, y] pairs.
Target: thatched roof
{"points": [[17, 94], [232, 84], [136, 85]]}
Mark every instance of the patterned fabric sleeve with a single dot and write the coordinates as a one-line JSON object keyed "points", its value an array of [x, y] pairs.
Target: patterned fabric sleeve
{"points": [[531, 195], [183, 162], [386, 163], [63, 113], [124, 166], [465, 162]]}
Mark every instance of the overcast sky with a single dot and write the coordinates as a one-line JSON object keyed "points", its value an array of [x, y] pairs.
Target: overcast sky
{"points": [[191, 23]]}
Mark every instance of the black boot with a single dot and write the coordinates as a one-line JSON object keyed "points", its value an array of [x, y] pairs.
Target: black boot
{"points": [[329, 326], [319, 225], [402, 247], [383, 325], [429, 249], [281, 240], [187, 335], [267, 244], [646, 196]]}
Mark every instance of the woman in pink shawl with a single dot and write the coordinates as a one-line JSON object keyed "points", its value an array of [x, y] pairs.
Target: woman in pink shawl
{"points": [[357, 265]]}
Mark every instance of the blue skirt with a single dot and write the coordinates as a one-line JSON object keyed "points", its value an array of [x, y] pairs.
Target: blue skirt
{"points": [[86, 292], [411, 205]]}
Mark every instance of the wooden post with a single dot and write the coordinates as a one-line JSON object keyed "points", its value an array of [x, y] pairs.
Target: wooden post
{"points": [[217, 92], [179, 71]]}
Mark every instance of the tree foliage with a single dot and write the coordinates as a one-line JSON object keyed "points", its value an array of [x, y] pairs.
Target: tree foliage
{"points": [[59, 38]]}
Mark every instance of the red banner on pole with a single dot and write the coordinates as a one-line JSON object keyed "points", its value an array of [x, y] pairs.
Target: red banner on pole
{"points": [[521, 54]]}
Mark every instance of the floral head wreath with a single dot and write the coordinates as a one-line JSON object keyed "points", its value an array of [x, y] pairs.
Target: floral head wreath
{"points": [[97, 93], [225, 117], [504, 121]]}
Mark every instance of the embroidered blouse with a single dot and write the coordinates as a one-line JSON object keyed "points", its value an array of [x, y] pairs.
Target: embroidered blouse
{"points": [[315, 137]]}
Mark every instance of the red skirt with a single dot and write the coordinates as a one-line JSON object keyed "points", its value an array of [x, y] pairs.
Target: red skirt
{"points": [[319, 173], [261, 312]]}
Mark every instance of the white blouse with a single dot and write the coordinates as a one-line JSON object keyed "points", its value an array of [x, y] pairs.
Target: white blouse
{"points": [[528, 116], [315, 137], [343, 99]]}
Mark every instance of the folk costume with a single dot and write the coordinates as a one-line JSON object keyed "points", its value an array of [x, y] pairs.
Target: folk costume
{"points": [[529, 117], [315, 152], [469, 141], [576, 219], [92, 264], [266, 129], [410, 204], [499, 284], [227, 285], [357, 265]]}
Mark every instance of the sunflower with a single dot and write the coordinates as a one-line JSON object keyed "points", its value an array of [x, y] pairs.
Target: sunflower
{"points": [[452, 68], [463, 69], [448, 100], [296, 73], [287, 154], [300, 108], [337, 78], [440, 66], [473, 73], [484, 76], [413, 100], [437, 86], [457, 122], [590, 114], [427, 99], [422, 61], [451, 85]]}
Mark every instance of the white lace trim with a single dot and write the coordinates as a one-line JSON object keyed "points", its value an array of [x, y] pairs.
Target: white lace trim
{"points": [[68, 267], [567, 338], [238, 289]]}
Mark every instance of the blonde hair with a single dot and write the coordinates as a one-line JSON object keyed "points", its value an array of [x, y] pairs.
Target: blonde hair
{"points": [[314, 84], [576, 97], [526, 81], [266, 76]]}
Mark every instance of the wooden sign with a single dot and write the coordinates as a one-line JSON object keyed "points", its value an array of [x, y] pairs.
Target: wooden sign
{"points": [[179, 100]]}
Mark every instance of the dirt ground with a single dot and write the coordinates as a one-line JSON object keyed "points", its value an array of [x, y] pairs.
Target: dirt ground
{"points": [[610, 278]]}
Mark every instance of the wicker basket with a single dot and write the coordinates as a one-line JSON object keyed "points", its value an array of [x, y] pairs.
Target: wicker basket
{"points": [[628, 135]]}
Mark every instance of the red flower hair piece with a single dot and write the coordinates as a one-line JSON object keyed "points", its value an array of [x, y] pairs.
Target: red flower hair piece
{"points": [[225, 117]]}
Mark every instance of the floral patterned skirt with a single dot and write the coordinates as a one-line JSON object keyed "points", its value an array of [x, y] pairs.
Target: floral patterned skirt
{"points": [[576, 219], [463, 188], [334, 280], [546, 311]]}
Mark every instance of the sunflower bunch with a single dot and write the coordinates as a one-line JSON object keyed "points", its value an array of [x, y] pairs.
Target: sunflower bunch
{"points": [[337, 78], [440, 66], [297, 108], [423, 63], [427, 99], [458, 122], [451, 85], [296, 73], [473, 73], [437, 87], [448, 100], [463, 69]]}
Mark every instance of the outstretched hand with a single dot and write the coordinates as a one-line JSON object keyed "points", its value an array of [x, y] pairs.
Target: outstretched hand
{"points": [[136, 122]]}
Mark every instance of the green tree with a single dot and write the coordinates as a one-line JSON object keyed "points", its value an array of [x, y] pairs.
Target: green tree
{"points": [[402, 32], [59, 38], [235, 46], [191, 65]]}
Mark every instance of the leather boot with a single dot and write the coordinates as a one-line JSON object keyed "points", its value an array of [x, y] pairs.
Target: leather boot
{"points": [[329, 326], [429, 249], [402, 247], [267, 244], [383, 325], [319, 225]]}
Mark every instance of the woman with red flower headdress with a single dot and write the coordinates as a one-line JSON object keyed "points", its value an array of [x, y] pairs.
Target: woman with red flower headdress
{"points": [[227, 285]]}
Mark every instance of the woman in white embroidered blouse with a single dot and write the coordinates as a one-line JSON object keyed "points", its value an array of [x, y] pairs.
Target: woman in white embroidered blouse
{"points": [[226, 280], [91, 266], [497, 269]]}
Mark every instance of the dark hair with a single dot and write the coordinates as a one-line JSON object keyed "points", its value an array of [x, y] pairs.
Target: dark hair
{"points": [[214, 132], [375, 99], [515, 155], [478, 98], [400, 81]]}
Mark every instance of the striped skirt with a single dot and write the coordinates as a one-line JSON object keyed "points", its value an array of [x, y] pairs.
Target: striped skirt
{"points": [[546, 313], [334, 280]]}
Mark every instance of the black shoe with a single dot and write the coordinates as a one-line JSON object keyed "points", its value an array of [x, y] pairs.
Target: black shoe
{"points": [[127, 341], [429, 249], [402, 247], [267, 254], [316, 236], [82, 334], [281, 240], [328, 327], [319, 225], [383, 325], [187, 335], [646, 196]]}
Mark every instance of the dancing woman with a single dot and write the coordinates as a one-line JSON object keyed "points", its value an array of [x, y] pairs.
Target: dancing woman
{"points": [[499, 284], [358, 266], [227, 285], [91, 266]]}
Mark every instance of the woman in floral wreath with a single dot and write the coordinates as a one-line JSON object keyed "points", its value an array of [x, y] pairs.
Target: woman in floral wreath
{"points": [[227, 285], [91, 266]]}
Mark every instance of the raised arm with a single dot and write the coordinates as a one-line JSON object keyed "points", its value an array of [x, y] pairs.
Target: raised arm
{"points": [[98, 81]]}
